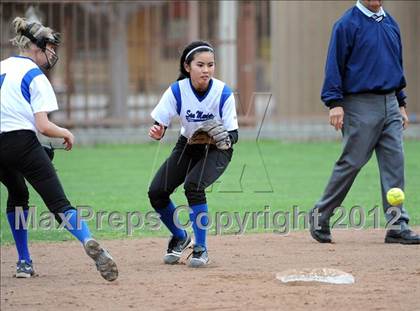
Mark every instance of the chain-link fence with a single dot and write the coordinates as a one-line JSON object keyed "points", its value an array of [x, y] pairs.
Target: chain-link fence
{"points": [[118, 57]]}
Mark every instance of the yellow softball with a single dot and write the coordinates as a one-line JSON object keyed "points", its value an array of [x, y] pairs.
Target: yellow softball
{"points": [[395, 196]]}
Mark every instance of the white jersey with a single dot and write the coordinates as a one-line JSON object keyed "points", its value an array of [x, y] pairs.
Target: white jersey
{"points": [[181, 99], [25, 90]]}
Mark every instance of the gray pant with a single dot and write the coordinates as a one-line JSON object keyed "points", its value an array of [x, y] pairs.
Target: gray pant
{"points": [[371, 123]]}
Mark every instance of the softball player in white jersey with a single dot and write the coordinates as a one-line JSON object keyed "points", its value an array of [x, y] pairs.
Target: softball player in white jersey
{"points": [[26, 99], [197, 98]]}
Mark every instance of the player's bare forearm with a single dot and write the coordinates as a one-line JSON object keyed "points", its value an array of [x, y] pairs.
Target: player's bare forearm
{"points": [[49, 129]]}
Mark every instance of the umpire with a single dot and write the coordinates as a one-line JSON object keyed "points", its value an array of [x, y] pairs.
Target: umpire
{"points": [[363, 89]]}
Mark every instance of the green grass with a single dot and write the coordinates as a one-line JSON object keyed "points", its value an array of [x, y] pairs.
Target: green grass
{"points": [[116, 178]]}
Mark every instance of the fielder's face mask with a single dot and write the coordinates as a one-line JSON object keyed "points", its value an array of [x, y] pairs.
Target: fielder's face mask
{"points": [[42, 42]]}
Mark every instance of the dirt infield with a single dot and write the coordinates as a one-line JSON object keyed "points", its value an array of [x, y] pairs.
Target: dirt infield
{"points": [[241, 276]]}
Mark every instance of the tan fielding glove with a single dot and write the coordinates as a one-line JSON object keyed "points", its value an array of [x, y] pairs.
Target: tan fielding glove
{"points": [[201, 137], [217, 132]]}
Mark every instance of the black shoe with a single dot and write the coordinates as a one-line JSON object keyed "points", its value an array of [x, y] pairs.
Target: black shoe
{"points": [[24, 269], [405, 236], [200, 257], [175, 249], [105, 264], [322, 235]]}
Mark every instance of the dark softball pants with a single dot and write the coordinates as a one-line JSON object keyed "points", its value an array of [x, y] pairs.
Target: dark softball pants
{"points": [[371, 123], [196, 166], [22, 157]]}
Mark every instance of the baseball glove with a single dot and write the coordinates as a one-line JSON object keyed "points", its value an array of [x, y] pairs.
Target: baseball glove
{"points": [[200, 137], [217, 132]]}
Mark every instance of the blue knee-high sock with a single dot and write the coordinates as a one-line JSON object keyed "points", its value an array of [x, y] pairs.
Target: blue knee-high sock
{"points": [[79, 229], [20, 235], [199, 233], [167, 217]]}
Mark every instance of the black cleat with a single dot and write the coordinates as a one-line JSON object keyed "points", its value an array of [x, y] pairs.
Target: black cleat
{"points": [[105, 264], [200, 257], [24, 269], [175, 249]]}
